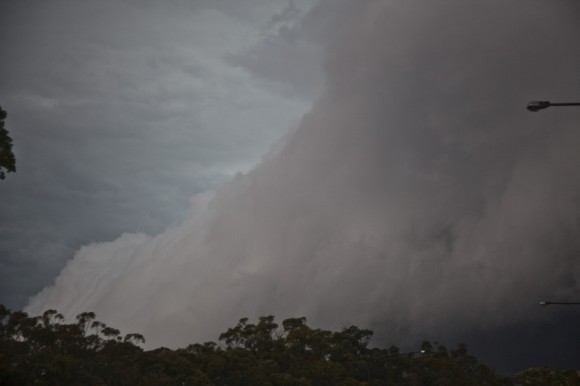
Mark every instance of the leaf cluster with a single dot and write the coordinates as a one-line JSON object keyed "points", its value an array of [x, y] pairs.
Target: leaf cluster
{"points": [[7, 158]]}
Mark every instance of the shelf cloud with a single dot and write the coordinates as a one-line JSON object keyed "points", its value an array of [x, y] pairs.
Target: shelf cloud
{"points": [[417, 196]]}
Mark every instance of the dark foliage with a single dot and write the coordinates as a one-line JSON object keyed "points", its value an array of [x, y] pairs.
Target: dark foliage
{"points": [[44, 350], [7, 159]]}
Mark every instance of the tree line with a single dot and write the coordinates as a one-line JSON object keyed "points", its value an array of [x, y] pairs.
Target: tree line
{"points": [[44, 350]]}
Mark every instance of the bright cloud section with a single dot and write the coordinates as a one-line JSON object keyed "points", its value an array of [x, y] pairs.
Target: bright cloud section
{"points": [[417, 195]]}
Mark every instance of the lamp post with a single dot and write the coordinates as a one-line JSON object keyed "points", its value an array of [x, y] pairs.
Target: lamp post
{"points": [[540, 105], [545, 303]]}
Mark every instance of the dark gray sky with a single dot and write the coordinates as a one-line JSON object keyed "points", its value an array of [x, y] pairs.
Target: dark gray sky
{"points": [[417, 196]]}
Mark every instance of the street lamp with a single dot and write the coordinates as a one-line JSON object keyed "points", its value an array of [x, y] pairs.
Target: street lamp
{"points": [[540, 105], [545, 303]]}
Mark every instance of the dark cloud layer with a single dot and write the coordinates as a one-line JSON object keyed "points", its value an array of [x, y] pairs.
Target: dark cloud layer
{"points": [[417, 197]]}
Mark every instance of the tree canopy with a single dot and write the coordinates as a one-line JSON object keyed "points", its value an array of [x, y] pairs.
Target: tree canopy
{"points": [[7, 159], [44, 350]]}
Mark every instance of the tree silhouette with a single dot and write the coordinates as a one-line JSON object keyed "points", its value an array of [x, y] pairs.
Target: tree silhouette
{"points": [[45, 350], [7, 159]]}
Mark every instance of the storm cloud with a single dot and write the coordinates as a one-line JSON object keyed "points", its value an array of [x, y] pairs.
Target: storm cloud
{"points": [[417, 196], [121, 110]]}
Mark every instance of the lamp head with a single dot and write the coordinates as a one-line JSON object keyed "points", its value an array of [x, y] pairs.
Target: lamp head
{"points": [[538, 105]]}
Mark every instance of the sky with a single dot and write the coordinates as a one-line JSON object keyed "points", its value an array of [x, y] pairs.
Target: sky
{"points": [[183, 165], [121, 111]]}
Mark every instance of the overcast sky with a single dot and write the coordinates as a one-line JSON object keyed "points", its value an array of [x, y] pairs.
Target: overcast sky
{"points": [[416, 197], [122, 110]]}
